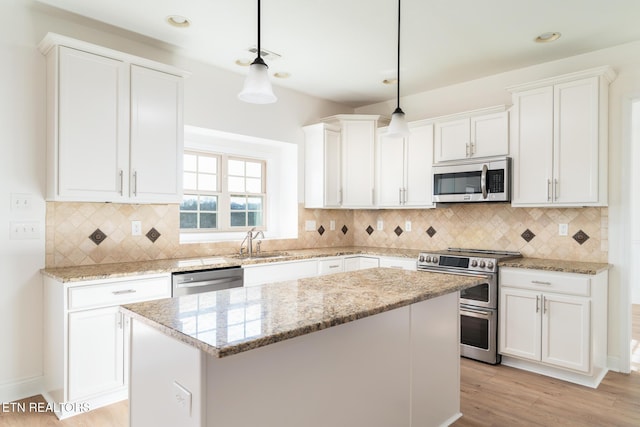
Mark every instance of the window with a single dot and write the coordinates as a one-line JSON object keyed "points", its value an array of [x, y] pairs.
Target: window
{"points": [[222, 193]]}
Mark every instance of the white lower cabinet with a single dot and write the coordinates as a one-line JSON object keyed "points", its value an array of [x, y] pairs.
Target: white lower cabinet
{"points": [[554, 323], [258, 274], [360, 263], [330, 266], [86, 339], [399, 263]]}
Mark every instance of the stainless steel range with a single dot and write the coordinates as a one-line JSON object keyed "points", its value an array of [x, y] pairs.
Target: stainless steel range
{"points": [[479, 304]]}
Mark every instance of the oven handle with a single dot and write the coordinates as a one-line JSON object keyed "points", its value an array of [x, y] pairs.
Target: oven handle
{"points": [[476, 313], [458, 272]]}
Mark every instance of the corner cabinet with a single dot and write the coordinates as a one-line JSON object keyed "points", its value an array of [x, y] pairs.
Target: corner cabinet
{"points": [[559, 140], [114, 125], [473, 134], [86, 338], [339, 161], [554, 323], [403, 168]]}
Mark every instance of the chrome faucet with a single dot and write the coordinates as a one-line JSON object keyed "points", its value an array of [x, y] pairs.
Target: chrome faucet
{"points": [[249, 239]]}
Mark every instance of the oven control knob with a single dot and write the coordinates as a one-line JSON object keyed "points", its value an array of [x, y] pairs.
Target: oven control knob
{"points": [[421, 259], [490, 265], [482, 264], [434, 259], [474, 263]]}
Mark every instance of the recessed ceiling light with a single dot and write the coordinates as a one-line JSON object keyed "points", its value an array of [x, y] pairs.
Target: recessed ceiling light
{"points": [[178, 21], [548, 37], [282, 75], [244, 62], [391, 81]]}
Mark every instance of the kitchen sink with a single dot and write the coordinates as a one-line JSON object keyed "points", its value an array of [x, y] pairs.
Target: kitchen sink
{"points": [[261, 255]]}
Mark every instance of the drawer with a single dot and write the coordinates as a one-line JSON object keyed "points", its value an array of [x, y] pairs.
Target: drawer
{"points": [[561, 283], [119, 292], [329, 266]]}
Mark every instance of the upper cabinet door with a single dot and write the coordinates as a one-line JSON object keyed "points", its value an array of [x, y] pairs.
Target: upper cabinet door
{"points": [[532, 146], [358, 145], [90, 144], [575, 177], [390, 173], [490, 135], [156, 135], [452, 140], [419, 159], [332, 168]]}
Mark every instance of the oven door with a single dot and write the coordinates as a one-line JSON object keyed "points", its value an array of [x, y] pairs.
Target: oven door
{"points": [[478, 334], [484, 295]]}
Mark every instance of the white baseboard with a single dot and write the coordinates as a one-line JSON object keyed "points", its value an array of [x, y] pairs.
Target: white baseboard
{"points": [[20, 389], [613, 363], [586, 380]]}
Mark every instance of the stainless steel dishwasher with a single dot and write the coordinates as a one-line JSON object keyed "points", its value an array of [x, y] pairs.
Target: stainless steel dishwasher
{"points": [[196, 282]]}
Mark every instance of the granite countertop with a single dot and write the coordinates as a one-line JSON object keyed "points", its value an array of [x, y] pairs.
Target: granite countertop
{"points": [[234, 320], [564, 266], [106, 271]]}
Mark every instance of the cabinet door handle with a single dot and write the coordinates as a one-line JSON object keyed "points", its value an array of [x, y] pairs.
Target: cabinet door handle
{"points": [[120, 318], [545, 303], [399, 196], [555, 189], [548, 190], [340, 197], [121, 182], [404, 196], [537, 303], [538, 282], [472, 149], [467, 151], [135, 183], [124, 292]]}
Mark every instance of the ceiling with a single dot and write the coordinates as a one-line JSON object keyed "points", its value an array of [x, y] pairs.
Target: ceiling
{"points": [[342, 50]]}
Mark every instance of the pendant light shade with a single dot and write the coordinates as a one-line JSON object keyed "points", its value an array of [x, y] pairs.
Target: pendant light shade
{"points": [[398, 125], [257, 87]]}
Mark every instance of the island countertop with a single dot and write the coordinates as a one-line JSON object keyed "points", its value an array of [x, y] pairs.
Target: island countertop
{"points": [[234, 320]]}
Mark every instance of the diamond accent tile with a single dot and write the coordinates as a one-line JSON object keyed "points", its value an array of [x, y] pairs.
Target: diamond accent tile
{"points": [[398, 231], [321, 230], [528, 235], [344, 229], [431, 231], [580, 237], [369, 230], [153, 235], [97, 236]]}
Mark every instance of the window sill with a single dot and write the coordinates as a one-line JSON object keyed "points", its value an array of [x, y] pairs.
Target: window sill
{"points": [[229, 236]]}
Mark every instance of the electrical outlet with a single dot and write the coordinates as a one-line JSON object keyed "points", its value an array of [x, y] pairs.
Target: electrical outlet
{"points": [[563, 229], [309, 225], [332, 225], [136, 228], [407, 226], [380, 225], [25, 230], [182, 398]]}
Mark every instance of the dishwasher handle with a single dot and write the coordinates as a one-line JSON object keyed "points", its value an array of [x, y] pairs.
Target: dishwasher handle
{"points": [[221, 281]]}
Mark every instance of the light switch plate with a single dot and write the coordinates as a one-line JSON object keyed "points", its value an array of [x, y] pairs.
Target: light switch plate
{"points": [[380, 225], [182, 398], [407, 226], [21, 202], [309, 225], [332, 225], [136, 228], [563, 229], [25, 230]]}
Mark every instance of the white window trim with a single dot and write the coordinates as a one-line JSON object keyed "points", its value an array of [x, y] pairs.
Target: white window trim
{"points": [[281, 158]]}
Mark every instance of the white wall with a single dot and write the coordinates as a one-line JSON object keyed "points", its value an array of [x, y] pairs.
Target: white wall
{"points": [[210, 101], [491, 91], [634, 194]]}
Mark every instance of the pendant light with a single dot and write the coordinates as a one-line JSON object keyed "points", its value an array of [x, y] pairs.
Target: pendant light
{"points": [[257, 87], [398, 125]]}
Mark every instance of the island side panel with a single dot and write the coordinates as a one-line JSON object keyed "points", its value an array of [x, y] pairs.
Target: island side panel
{"points": [[355, 374], [435, 352], [166, 385]]}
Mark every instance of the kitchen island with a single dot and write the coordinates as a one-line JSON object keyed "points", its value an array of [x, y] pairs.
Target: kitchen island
{"points": [[377, 347]]}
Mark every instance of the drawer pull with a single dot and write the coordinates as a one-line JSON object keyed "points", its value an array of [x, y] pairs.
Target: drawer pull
{"points": [[538, 282], [123, 292], [334, 266]]}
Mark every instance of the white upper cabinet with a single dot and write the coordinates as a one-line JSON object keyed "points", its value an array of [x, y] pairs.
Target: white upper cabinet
{"points": [[479, 133], [339, 162], [114, 126], [559, 140], [403, 168]]}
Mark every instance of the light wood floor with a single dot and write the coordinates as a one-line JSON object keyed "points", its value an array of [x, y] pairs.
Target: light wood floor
{"points": [[490, 396]]}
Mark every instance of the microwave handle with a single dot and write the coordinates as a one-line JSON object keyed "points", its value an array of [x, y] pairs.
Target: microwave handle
{"points": [[483, 181]]}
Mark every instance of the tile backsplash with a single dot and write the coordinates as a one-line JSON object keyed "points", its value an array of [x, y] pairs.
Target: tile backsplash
{"points": [[532, 231]]}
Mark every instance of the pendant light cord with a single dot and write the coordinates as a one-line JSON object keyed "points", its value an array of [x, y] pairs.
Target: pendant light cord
{"points": [[398, 94], [258, 28]]}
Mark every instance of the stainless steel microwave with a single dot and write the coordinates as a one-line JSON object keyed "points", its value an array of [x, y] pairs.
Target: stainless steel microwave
{"points": [[483, 180]]}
